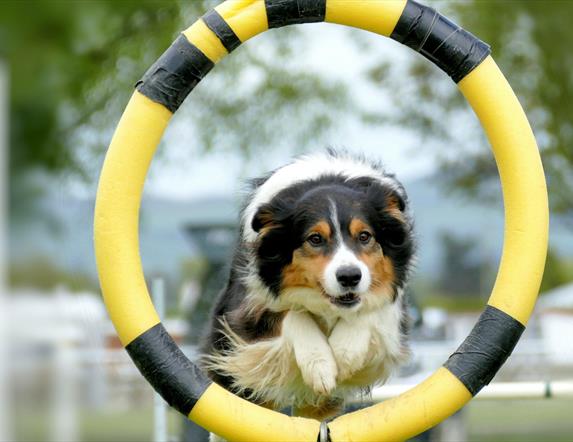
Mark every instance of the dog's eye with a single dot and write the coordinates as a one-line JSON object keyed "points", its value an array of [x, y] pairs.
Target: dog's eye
{"points": [[364, 237], [315, 239]]}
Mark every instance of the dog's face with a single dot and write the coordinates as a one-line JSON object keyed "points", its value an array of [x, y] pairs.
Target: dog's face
{"points": [[339, 243]]}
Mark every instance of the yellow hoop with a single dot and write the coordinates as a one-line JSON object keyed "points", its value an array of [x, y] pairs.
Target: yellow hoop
{"points": [[139, 132]]}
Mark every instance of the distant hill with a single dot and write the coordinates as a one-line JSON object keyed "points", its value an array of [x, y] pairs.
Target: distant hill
{"points": [[67, 238]]}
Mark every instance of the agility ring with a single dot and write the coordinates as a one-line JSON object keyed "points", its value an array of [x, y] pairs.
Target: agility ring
{"points": [[164, 87]]}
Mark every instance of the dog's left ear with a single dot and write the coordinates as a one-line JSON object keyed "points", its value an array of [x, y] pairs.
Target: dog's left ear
{"points": [[386, 199], [394, 201], [391, 222], [264, 218]]}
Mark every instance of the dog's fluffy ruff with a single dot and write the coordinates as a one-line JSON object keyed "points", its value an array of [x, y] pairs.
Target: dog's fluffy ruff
{"points": [[267, 372]]}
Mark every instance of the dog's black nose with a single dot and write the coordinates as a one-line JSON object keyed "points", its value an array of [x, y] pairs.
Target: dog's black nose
{"points": [[348, 276]]}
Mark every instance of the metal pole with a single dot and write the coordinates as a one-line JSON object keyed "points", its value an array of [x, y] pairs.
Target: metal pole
{"points": [[159, 405], [5, 420]]}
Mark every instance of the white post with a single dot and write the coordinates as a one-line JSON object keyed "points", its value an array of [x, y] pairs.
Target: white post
{"points": [[5, 420], [159, 404], [65, 416]]}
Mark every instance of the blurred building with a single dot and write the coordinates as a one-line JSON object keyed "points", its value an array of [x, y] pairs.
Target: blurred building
{"points": [[65, 358]]}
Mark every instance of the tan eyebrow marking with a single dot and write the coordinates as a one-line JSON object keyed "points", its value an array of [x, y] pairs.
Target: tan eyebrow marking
{"points": [[356, 226], [321, 227]]}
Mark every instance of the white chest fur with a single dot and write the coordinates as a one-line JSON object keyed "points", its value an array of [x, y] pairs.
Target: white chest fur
{"points": [[304, 365]]}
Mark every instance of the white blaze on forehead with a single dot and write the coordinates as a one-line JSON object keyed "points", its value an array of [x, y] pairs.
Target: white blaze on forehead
{"points": [[308, 168], [343, 257], [335, 221]]}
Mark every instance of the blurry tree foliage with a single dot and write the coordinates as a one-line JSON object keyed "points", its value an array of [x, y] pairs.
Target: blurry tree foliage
{"points": [[531, 42], [465, 271], [558, 271], [73, 66], [42, 273]]}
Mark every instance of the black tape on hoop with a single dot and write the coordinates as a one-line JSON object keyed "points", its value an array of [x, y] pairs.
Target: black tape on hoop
{"points": [[174, 75], [291, 12], [180, 382], [484, 351], [222, 30], [451, 48]]}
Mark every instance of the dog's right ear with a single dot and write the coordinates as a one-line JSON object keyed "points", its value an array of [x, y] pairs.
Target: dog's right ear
{"points": [[264, 218]]}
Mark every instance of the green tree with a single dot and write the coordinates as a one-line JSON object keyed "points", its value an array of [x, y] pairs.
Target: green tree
{"points": [[531, 41], [463, 268], [73, 66], [558, 271]]}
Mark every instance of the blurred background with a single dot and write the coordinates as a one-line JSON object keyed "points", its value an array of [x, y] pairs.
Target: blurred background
{"points": [[67, 69]]}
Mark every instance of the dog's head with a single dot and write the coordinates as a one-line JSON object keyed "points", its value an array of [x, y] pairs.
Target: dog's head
{"points": [[334, 242]]}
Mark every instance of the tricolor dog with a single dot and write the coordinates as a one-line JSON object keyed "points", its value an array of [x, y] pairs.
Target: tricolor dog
{"points": [[314, 310]]}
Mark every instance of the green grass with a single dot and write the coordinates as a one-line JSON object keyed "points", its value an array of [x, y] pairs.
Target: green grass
{"points": [[96, 426], [487, 421], [524, 421], [126, 426]]}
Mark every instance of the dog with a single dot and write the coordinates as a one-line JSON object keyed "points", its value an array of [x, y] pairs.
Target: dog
{"points": [[314, 309]]}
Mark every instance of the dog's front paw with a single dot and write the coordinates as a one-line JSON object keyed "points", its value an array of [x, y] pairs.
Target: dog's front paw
{"points": [[350, 351], [320, 374]]}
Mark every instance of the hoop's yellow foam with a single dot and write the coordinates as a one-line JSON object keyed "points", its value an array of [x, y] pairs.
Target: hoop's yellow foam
{"points": [[241, 421], [116, 219], [524, 189], [379, 17], [402, 417]]}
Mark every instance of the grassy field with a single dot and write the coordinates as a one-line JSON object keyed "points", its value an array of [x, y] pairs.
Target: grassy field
{"points": [[487, 421], [525, 421], [96, 426]]}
